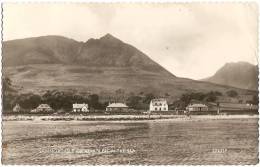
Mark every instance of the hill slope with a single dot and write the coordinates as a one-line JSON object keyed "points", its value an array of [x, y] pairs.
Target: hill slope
{"points": [[241, 75], [39, 50], [97, 65]]}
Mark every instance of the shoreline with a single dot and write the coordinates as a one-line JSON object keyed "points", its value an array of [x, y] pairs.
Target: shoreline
{"points": [[124, 118]]}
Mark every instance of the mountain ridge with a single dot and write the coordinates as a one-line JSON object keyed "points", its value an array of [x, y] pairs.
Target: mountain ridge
{"points": [[105, 51], [97, 65], [237, 74]]}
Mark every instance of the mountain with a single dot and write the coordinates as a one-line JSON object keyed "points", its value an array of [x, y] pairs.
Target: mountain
{"points": [[107, 51], [241, 75], [97, 65], [39, 50], [110, 51]]}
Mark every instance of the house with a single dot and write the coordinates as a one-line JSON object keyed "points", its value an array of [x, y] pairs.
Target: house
{"points": [[158, 105], [80, 107], [17, 108], [43, 108], [197, 107], [116, 107]]}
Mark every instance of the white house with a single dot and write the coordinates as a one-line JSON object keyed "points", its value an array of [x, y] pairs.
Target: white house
{"points": [[158, 105], [17, 108], [197, 107], [116, 107], [80, 107]]}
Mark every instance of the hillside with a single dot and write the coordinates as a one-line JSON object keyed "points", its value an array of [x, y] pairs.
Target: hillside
{"points": [[97, 65], [39, 50], [241, 75]]}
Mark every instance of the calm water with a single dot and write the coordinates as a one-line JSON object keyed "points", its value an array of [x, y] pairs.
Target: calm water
{"points": [[168, 142]]}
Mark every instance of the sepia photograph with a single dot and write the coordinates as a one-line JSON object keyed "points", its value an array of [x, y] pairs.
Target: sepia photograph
{"points": [[130, 83]]}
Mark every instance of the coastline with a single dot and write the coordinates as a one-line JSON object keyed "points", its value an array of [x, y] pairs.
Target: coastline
{"points": [[125, 118]]}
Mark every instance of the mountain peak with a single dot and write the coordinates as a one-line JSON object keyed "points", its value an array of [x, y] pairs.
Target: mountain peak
{"points": [[237, 74], [239, 63], [109, 38]]}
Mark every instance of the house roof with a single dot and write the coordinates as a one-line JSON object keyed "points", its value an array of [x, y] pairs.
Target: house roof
{"points": [[197, 105], [43, 106], [80, 105], [117, 105]]}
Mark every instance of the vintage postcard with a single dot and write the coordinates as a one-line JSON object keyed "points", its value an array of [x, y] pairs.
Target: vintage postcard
{"points": [[130, 84]]}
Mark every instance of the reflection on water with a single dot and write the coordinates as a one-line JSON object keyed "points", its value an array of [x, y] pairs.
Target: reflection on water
{"points": [[184, 142]]}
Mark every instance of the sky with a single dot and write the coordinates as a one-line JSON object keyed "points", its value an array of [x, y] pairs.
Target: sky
{"points": [[191, 40]]}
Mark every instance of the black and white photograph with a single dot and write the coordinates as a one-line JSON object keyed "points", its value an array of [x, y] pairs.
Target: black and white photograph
{"points": [[130, 83]]}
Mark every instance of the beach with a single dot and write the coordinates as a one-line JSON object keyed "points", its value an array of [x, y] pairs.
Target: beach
{"points": [[196, 140], [122, 117]]}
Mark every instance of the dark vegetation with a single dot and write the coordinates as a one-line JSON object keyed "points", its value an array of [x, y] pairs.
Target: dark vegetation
{"points": [[62, 100], [232, 93], [198, 96]]}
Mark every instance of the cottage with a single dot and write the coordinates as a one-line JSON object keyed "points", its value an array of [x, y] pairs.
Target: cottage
{"points": [[17, 108], [158, 105], [197, 107], [43, 108], [116, 107], [80, 107]]}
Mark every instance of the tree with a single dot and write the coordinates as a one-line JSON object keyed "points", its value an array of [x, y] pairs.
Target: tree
{"points": [[178, 104], [94, 101], [120, 94], [148, 97], [134, 102], [209, 97], [9, 101], [166, 94], [187, 97], [7, 83], [232, 93], [217, 93], [29, 100], [255, 100], [212, 96]]}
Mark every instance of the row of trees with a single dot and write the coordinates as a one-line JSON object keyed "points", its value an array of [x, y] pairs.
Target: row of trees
{"points": [[186, 98], [63, 100], [56, 99]]}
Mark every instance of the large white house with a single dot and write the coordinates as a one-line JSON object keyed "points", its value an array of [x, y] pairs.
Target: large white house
{"points": [[80, 107], [158, 105]]}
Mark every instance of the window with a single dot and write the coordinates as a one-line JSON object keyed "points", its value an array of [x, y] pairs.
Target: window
{"points": [[164, 108], [155, 109]]}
